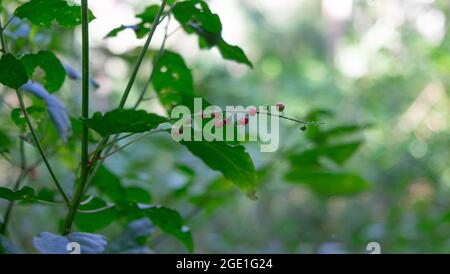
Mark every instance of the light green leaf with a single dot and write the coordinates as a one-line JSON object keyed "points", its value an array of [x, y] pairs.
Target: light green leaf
{"points": [[46, 12], [12, 72], [338, 153], [124, 121], [47, 62], [233, 162], [327, 183]]}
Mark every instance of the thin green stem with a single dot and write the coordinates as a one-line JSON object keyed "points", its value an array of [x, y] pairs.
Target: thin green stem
{"points": [[79, 190], [4, 49], [20, 179], [155, 63], [138, 64], [39, 146], [132, 142]]}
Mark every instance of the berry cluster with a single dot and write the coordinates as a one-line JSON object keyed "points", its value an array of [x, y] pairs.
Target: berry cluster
{"points": [[221, 122]]}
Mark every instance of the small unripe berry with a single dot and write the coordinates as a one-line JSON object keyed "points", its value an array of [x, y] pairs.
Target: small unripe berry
{"points": [[303, 128], [252, 112], [280, 107], [244, 121]]}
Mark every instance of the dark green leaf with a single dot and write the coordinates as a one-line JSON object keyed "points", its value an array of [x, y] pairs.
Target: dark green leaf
{"points": [[232, 161], [109, 184], [46, 12], [21, 194], [47, 62], [5, 142], [172, 79], [196, 17], [171, 222], [233, 53], [328, 183], [91, 222], [149, 14], [124, 120], [12, 72]]}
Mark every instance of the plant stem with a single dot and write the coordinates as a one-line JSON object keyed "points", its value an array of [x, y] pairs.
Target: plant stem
{"points": [[79, 190], [39, 146], [4, 49], [97, 155], [142, 55], [22, 175]]}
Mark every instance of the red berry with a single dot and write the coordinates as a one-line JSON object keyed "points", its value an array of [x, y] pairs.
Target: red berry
{"points": [[252, 111], [33, 174], [219, 123], [244, 121], [227, 121], [280, 107], [177, 131], [188, 121]]}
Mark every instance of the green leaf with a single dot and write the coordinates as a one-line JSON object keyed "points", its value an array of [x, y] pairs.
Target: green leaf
{"points": [[196, 17], [339, 154], [92, 222], [141, 29], [171, 222], [5, 142], [46, 12], [12, 72], [124, 120], [149, 14], [233, 162], [172, 79], [327, 183], [45, 61], [20, 121], [233, 53], [26, 193], [109, 184]]}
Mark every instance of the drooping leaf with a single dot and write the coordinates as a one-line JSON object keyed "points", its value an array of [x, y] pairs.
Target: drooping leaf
{"points": [[328, 183], [49, 243], [234, 53], [124, 121], [47, 62], [195, 16], [171, 222], [338, 153], [12, 72], [172, 79], [233, 162], [46, 12]]}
